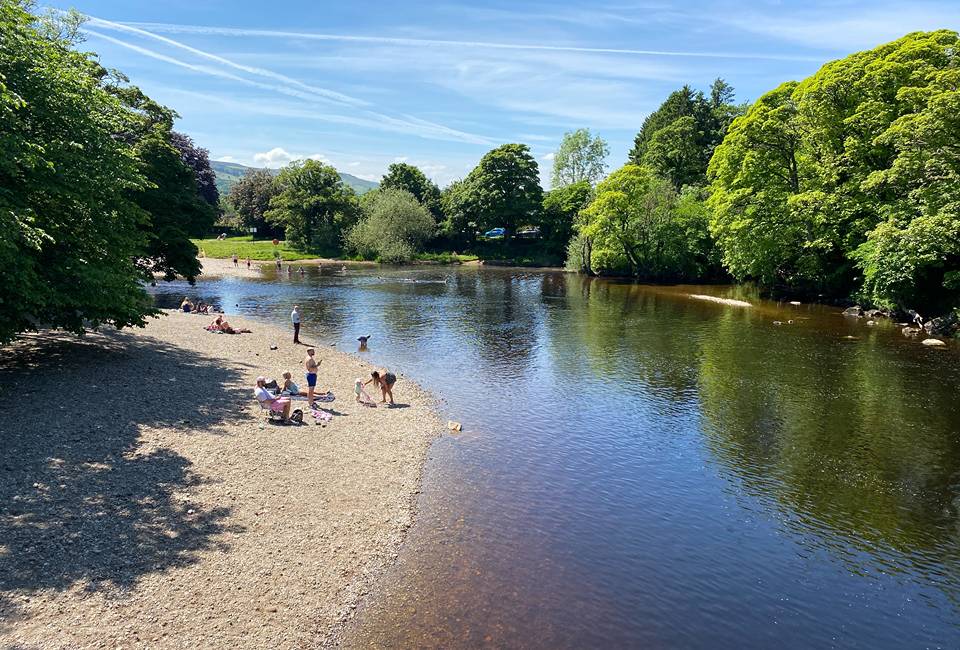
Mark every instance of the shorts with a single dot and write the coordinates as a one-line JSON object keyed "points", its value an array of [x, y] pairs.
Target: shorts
{"points": [[389, 379], [278, 404], [312, 379]]}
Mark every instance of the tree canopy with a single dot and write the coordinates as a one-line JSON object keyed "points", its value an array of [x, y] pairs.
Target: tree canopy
{"points": [[69, 227], [677, 140], [503, 190], [639, 225], [846, 182], [579, 158], [314, 206], [250, 197], [393, 228], [409, 178]]}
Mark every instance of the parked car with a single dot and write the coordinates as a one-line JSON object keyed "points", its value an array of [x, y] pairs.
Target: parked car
{"points": [[495, 233], [530, 232]]}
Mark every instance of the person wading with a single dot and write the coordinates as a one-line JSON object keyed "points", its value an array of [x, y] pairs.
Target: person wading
{"points": [[295, 319]]}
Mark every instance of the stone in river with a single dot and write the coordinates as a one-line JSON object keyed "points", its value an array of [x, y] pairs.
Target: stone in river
{"points": [[937, 343]]}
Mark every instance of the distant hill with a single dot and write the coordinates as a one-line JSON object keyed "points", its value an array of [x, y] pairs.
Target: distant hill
{"points": [[229, 173]]}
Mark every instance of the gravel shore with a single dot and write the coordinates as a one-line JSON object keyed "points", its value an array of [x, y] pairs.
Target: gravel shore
{"points": [[146, 502]]}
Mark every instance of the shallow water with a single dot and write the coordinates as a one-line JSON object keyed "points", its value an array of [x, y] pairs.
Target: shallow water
{"points": [[640, 468]]}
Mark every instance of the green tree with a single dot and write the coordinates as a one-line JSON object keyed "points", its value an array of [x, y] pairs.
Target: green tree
{"points": [[639, 225], [678, 139], [250, 197], [846, 182], [503, 190], [314, 206], [579, 158], [393, 228], [560, 209], [69, 231], [459, 222], [409, 178], [177, 211]]}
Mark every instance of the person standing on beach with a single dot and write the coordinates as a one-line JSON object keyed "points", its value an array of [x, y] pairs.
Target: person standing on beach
{"points": [[311, 366], [248, 263], [236, 261], [295, 319]]}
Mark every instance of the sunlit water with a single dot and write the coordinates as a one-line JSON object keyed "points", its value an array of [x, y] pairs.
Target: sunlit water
{"points": [[639, 468]]}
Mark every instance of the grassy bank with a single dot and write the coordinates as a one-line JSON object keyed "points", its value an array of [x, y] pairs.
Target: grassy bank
{"points": [[248, 247]]}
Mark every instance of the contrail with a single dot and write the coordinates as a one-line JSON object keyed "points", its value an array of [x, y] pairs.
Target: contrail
{"points": [[413, 42], [366, 118], [322, 92]]}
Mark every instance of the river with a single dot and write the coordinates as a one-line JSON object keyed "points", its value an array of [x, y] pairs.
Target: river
{"points": [[640, 468]]}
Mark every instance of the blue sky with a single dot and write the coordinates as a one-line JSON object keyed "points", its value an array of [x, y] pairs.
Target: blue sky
{"points": [[364, 84]]}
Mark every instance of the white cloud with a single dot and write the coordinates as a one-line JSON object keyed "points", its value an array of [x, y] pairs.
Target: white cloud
{"points": [[276, 157], [400, 159], [355, 163], [227, 159], [548, 157]]}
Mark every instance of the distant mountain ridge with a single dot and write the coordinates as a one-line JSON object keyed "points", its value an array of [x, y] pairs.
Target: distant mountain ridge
{"points": [[229, 173]]}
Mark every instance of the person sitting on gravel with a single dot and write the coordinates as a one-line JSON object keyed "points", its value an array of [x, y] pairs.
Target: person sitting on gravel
{"points": [[291, 388], [186, 306], [271, 401]]}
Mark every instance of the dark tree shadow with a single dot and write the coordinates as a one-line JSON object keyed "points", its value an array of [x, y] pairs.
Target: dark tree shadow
{"points": [[80, 501]]}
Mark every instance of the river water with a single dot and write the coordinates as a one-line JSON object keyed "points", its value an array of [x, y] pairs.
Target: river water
{"points": [[639, 468]]}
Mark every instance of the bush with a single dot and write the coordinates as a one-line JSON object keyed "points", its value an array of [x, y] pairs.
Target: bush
{"points": [[393, 228]]}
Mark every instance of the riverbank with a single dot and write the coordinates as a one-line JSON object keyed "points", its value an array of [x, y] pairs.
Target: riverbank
{"points": [[144, 500]]}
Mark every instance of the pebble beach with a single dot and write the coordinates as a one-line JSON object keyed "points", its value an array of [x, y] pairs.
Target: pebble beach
{"points": [[146, 501]]}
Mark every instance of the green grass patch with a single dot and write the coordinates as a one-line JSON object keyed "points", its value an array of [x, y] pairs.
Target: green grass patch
{"points": [[246, 247], [445, 258]]}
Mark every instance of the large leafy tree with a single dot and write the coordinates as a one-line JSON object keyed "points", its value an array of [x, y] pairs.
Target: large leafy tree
{"points": [[678, 139], [314, 206], [639, 225], [250, 198], [560, 209], [198, 159], [393, 228], [177, 212], [409, 178], [580, 157], [846, 182], [503, 190], [69, 227]]}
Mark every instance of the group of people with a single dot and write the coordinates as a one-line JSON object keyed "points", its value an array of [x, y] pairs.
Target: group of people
{"points": [[236, 262], [221, 325], [281, 399], [188, 307]]}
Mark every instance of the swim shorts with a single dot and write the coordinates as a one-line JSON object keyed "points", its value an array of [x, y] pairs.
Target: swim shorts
{"points": [[312, 379]]}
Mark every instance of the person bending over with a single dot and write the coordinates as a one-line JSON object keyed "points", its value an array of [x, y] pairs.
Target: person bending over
{"points": [[384, 382]]}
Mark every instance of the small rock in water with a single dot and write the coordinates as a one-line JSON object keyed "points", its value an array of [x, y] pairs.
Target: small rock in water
{"points": [[776, 322], [794, 302], [454, 426], [935, 343], [870, 322]]}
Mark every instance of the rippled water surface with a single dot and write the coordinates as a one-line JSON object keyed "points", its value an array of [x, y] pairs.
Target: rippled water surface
{"points": [[641, 468]]}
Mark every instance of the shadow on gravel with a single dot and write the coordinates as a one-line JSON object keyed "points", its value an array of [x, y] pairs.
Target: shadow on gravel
{"points": [[79, 502]]}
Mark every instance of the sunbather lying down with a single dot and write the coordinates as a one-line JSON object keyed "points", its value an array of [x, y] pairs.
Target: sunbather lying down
{"points": [[221, 325]]}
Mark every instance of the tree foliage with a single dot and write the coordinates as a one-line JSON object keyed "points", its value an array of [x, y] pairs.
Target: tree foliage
{"points": [[503, 190], [198, 159], [393, 228], [847, 181], [314, 206], [560, 209], [678, 139], [250, 197], [579, 158], [69, 228], [409, 178], [638, 224]]}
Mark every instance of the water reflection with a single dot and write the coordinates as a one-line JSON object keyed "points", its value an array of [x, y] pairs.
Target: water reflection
{"points": [[640, 468]]}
